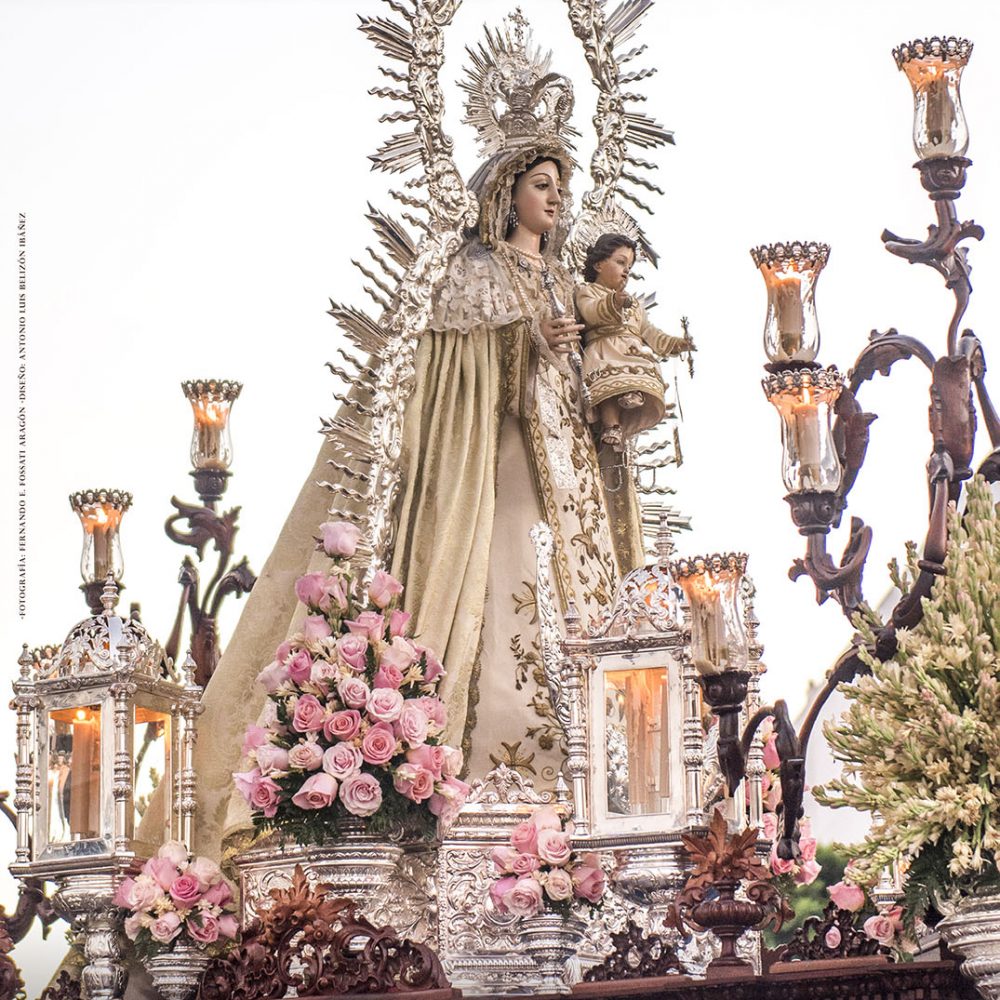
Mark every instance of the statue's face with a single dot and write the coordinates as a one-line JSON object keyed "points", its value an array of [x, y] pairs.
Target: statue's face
{"points": [[613, 271], [537, 196]]}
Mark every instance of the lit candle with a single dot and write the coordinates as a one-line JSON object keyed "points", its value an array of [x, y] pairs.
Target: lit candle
{"points": [[210, 419], [790, 312], [708, 629], [805, 418], [102, 553]]}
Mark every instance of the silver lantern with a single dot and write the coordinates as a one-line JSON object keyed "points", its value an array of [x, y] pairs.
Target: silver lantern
{"points": [[100, 728]]}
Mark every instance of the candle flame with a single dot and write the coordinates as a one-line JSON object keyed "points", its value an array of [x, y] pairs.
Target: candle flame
{"points": [[100, 517], [210, 412]]}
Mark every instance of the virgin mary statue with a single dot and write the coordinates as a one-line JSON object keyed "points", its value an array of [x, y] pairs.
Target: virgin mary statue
{"points": [[493, 440]]}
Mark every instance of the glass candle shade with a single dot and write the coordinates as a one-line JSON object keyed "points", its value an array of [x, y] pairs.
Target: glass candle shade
{"points": [[790, 272], [804, 398], [934, 68], [711, 585], [211, 400], [100, 513]]}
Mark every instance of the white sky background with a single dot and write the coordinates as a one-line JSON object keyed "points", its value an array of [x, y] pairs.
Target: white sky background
{"points": [[195, 177]]}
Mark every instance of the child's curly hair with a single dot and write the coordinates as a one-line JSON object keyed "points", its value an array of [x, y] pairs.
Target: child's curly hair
{"points": [[602, 249]]}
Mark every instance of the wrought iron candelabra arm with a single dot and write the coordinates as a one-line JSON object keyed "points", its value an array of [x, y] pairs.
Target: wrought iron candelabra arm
{"points": [[205, 525]]}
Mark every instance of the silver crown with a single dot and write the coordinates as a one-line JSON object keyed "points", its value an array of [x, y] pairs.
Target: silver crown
{"points": [[514, 100]]}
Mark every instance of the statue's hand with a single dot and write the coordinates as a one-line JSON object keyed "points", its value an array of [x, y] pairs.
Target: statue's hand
{"points": [[561, 333]]}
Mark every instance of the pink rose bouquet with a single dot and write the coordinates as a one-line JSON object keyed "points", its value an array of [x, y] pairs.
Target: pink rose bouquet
{"points": [[177, 897], [353, 726], [539, 870]]}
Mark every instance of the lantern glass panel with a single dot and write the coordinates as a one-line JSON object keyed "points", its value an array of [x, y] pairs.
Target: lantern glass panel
{"points": [[74, 778], [638, 742], [153, 768]]}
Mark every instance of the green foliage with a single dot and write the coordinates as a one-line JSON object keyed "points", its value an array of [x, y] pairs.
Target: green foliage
{"points": [[920, 740]]}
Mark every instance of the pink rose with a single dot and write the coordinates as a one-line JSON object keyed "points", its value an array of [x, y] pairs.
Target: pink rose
{"points": [[323, 672], [339, 538], [524, 898], [300, 667], [771, 759], [770, 826], [311, 589], [138, 894], [361, 794], [434, 709], [185, 891], [398, 621], [524, 837], [271, 758], [387, 676], [305, 756], [434, 671], [379, 744], [832, 939], [206, 871], [412, 725], [413, 781], [400, 653], [384, 704], [309, 715], [260, 792], [453, 761], [807, 848], [883, 926], [203, 928], [342, 760], [447, 801], [272, 676], [780, 866], [254, 737], [546, 818], [317, 791], [228, 926], [431, 757], [133, 924], [846, 896], [281, 653], [525, 864], [353, 692], [499, 889], [553, 846], [165, 928], [588, 881], [316, 627], [175, 851], [162, 870], [559, 884], [343, 725], [383, 589], [264, 796], [334, 595], [218, 894], [352, 651], [807, 873], [368, 623], [503, 858]]}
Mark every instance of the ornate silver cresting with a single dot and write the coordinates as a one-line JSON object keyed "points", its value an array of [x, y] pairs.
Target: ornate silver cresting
{"points": [[84, 777]]}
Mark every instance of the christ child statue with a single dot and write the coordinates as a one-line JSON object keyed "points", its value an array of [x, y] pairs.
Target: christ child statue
{"points": [[621, 347]]}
